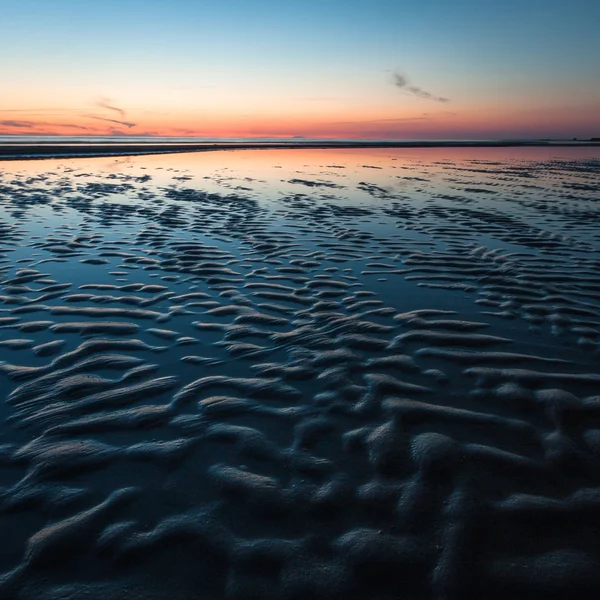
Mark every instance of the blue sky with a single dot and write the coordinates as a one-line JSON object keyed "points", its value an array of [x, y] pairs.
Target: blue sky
{"points": [[294, 67]]}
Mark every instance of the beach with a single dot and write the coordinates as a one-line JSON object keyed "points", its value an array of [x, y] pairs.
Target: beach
{"points": [[320, 371]]}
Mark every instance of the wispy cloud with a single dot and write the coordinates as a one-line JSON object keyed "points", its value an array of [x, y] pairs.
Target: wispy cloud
{"points": [[443, 113], [108, 104], [11, 123], [37, 124], [36, 118], [361, 122], [125, 123], [402, 82]]}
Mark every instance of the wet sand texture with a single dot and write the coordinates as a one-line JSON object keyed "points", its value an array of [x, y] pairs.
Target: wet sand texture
{"points": [[360, 380]]}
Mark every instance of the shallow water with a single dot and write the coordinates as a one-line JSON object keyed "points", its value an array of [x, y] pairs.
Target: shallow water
{"points": [[301, 373]]}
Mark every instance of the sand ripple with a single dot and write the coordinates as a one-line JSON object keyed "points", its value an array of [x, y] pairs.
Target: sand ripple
{"points": [[377, 382]]}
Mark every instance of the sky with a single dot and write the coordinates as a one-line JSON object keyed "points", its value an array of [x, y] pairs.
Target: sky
{"points": [[375, 69]]}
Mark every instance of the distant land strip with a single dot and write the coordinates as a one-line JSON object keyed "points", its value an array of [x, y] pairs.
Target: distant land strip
{"points": [[40, 150]]}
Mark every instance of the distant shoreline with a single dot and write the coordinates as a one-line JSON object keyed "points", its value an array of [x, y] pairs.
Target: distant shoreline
{"points": [[27, 151]]}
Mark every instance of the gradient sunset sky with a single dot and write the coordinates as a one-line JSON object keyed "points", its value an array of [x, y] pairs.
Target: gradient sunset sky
{"points": [[431, 69]]}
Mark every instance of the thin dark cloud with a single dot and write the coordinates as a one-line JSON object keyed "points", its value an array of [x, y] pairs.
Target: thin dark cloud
{"points": [[117, 132], [36, 124], [20, 124], [41, 116], [400, 120], [402, 82], [183, 131], [109, 105], [125, 123], [443, 113], [397, 120]]}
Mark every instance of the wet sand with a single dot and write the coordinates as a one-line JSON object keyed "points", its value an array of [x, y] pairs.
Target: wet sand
{"points": [[342, 373]]}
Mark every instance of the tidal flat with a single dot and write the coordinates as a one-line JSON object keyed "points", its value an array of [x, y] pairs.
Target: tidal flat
{"points": [[301, 373]]}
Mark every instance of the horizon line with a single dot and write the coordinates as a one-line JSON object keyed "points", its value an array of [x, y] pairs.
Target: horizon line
{"points": [[32, 151]]}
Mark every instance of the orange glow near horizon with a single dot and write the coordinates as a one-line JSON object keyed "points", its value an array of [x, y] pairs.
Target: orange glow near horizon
{"points": [[104, 119]]}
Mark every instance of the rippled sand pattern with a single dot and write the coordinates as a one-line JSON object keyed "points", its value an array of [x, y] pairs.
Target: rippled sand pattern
{"points": [[362, 376]]}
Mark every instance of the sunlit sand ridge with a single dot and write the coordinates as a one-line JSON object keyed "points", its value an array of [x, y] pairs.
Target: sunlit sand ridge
{"points": [[301, 374]]}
